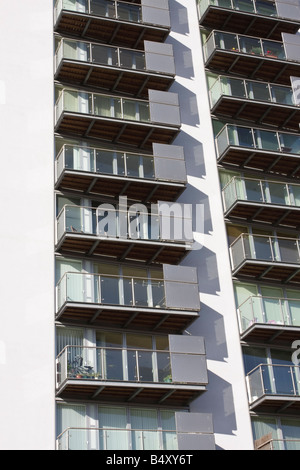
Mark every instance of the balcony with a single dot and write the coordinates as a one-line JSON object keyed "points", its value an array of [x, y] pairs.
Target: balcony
{"points": [[270, 320], [113, 22], [121, 233], [267, 442], [267, 258], [166, 304], [177, 431], [274, 389], [118, 120], [256, 200], [119, 374], [254, 17], [148, 178], [268, 151], [250, 57], [258, 102], [114, 69]]}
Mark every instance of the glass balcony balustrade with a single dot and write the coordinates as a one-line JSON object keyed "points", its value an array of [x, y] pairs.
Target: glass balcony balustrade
{"points": [[265, 248], [260, 192], [108, 9], [104, 161], [269, 311], [251, 90], [279, 444], [243, 44], [100, 54], [110, 290], [258, 7], [107, 106], [110, 222], [256, 139], [111, 438], [276, 380], [113, 364]]}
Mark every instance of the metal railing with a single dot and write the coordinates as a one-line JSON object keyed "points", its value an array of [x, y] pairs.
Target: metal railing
{"points": [[251, 90], [273, 379], [100, 54], [238, 43], [108, 9], [259, 7], [105, 289], [75, 438], [265, 248], [280, 444], [104, 161], [269, 311], [253, 138], [96, 104], [113, 364], [260, 191], [110, 222]]}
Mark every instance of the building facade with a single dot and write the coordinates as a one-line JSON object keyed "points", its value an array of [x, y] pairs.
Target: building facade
{"points": [[154, 298]]}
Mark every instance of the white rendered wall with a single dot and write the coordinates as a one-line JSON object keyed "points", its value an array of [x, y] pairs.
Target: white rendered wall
{"points": [[226, 397], [26, 200]]}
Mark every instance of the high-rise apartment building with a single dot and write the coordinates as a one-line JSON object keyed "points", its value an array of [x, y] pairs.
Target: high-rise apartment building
{"points": [[150, 232]]}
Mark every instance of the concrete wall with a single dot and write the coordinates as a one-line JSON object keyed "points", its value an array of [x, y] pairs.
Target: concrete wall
{"points": [[226, 397], [26, 202]]}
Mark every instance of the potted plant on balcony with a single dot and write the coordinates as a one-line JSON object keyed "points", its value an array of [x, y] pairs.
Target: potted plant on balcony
{"points": [[270, 53], [168, 378]]}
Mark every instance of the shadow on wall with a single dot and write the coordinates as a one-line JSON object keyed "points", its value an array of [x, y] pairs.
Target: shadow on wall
{"points": [[219, 399], [220, 403]]}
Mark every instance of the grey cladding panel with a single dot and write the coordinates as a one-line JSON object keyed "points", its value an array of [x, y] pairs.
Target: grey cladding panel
{"points": [[182, 296], [288, 8], [170, 170], [189, 368], [180, 273], [194, 422], [196, 442], [295, 81], [187, 344], [169, 163], [291, 46], [175, 221], [156, 12], [181, 287], [159, 57], [164, 107], [174, 152]]}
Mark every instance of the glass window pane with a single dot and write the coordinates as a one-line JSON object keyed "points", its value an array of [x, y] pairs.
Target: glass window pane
{"points": [[258, 91], [112, 422], [226, 41], [250, 45], [273, 49], [266, 140], [244, 5], [104, 55]]}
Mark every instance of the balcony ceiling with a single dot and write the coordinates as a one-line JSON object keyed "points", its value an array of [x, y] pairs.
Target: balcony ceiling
{"points": [[147, 251], [142, 319], [108, 185], [279, 335], [283, 216], [259, 112], [253, 67], [132, 82], [138, 134], [276, 404], [108, 30], [250, 24], [141, 393], [286, 273], [269, 162]]}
